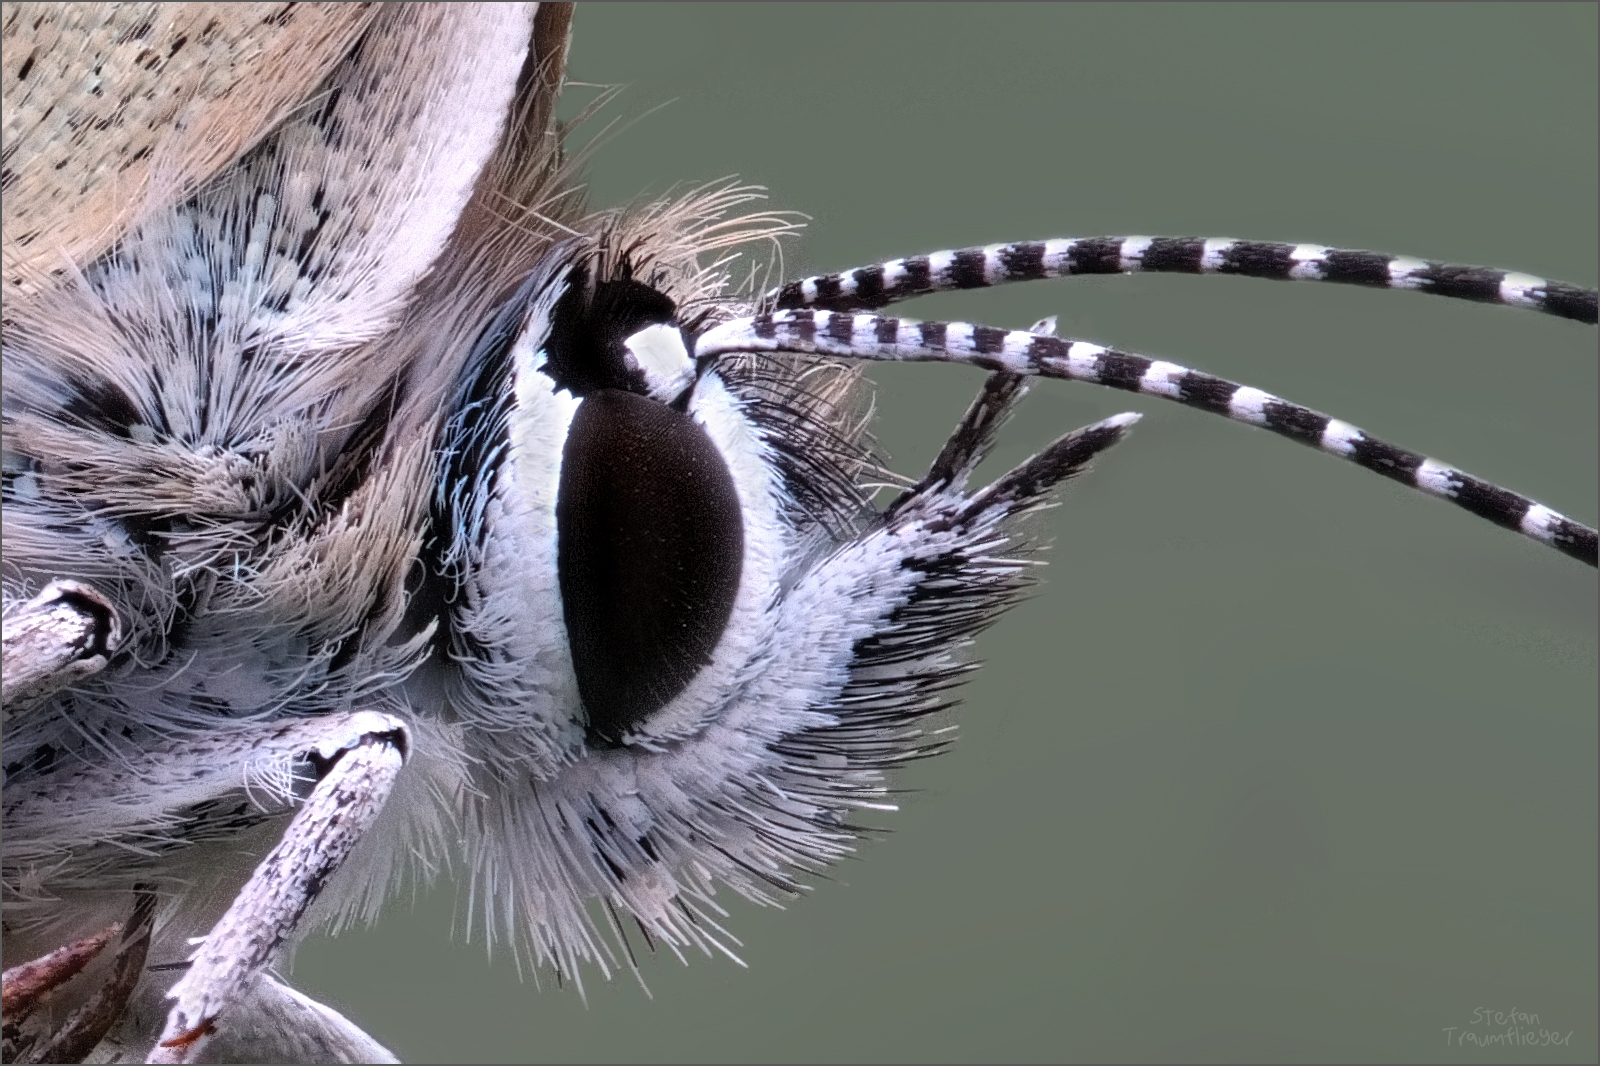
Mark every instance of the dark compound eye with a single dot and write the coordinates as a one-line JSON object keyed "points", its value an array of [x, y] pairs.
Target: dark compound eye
{"points": [[650, 546], [649, 534]]}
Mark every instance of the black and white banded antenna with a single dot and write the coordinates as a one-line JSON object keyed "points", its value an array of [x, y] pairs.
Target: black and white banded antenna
{"points": [[885, 338], [872, 287]]}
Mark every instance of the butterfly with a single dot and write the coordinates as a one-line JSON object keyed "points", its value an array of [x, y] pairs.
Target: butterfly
{"points": [[1254, 442]]}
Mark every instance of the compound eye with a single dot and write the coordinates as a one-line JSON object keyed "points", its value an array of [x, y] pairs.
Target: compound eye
{"points": [[650, 548]]}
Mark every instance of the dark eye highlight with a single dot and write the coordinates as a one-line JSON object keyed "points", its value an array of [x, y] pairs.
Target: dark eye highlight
{"points": [[650, 547]]}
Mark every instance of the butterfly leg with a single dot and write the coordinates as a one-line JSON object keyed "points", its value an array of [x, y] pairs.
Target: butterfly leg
{"points": [[75, 1037], [62, 635], [275, 1023], [356, 771]]}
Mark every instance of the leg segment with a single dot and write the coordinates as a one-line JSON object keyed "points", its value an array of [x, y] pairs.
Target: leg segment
{"points": [[60, 636], [85, 1027], [356, 775]]}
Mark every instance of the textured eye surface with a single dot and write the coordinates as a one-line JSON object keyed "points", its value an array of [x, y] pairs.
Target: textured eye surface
{"points": [[651, 545]]}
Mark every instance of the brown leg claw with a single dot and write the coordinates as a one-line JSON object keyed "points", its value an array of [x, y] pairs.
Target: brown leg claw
{"points": [[184, 1039], [28, 984], [23, 986]]}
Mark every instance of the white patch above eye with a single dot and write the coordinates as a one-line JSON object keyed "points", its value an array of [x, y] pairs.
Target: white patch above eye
{"points": [[658, 352]]}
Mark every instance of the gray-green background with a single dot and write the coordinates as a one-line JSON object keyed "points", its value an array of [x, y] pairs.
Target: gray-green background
{"points": [[1282, 762]]}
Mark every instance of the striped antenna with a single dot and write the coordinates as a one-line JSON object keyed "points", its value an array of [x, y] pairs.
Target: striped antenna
{"points": [[871, 287], [879, 337]]}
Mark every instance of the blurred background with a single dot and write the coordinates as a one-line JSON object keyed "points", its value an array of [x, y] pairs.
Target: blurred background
{"points": [[1282, 762]]}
